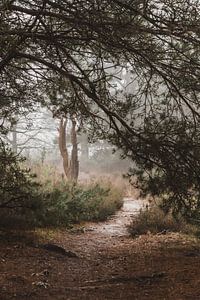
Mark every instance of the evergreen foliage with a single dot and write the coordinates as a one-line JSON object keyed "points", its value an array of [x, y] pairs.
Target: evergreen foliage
{"points": [[18, 190]]}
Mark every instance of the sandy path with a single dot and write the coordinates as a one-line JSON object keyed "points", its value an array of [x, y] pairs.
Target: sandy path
{"points": [[117, 225]]}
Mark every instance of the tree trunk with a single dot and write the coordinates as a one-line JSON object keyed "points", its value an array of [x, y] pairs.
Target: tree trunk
{"points": [[70, 165], [63, 146], [84, 148], [74, 163]]}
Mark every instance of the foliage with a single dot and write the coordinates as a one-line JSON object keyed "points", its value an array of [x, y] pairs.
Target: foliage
{"points": [[154, 220], [50, 201], [169, 168], [66, 204], [18, 190]]}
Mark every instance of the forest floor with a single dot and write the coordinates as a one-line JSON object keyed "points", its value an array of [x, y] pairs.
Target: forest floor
{"points": [[109, 264]]}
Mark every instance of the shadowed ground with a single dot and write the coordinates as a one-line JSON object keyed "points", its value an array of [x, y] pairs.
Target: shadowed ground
{"points": [[110, 264]]}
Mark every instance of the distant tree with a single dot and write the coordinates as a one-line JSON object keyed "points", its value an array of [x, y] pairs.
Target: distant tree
{"points": [[70, 163], [30, 131]]}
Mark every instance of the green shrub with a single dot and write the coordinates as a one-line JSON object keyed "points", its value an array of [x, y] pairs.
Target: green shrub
{"points": [[19, 192], [50, 201], [66, 204], [17, 187], [154, 220]]}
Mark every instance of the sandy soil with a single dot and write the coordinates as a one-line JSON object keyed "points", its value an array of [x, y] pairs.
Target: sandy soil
{"points": [[110, 264]]}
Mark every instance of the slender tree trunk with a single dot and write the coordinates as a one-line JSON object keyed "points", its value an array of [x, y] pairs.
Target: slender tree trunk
{"points": [[63, 146], [70, 165], [74, 163]]}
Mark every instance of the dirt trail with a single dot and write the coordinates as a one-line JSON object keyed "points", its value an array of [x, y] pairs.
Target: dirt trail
{"points": [[117, 225], [110, 265]]}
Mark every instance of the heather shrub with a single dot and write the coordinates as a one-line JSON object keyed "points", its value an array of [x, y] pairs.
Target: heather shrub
{"points": [[154, 220]]}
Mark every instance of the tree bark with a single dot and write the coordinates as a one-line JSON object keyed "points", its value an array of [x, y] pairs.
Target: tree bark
{"points": [[70, 165], [74, 163]]}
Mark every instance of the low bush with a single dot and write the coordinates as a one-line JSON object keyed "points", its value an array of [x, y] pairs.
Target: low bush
{"points": [[154, 220], [48, 200], [66, 204]]}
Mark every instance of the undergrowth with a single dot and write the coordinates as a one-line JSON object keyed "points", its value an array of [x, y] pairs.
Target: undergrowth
{"points": [[153, 220], [66, 204], [61, 204]]}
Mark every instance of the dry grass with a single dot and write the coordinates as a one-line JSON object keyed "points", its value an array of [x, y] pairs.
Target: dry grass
{"points": [[153, 220], [115, 179], [49, 173]]}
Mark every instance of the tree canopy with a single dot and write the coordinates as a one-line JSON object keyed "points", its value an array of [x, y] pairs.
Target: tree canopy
{"points": [[91, 45]]}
